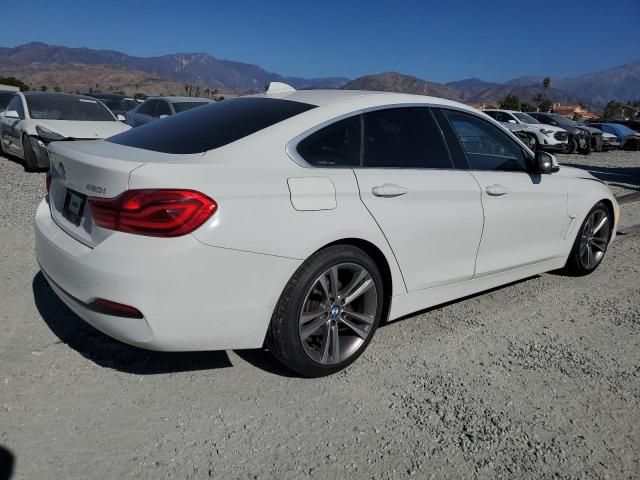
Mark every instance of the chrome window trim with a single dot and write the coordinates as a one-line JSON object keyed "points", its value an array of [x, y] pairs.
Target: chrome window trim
{"points": [[291, 148]]}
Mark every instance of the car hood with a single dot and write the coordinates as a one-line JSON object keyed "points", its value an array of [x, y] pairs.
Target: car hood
{"points": [[83, 130], [590, 129], [545, 126]]}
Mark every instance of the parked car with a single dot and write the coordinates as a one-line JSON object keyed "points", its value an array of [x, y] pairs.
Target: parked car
{"points": [[596, 139], [579, 137], [305, 219], [629, 139], [33, 119], [118, 104], [159, 107], [5, 96], [545, 137], [609, 142], [632, 124]]}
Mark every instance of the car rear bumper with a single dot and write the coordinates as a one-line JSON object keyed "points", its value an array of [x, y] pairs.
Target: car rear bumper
{"points": [[191, 296]]}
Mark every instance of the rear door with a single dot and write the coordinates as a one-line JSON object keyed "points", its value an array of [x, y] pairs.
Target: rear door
{"points": [[525, 213], [429, 211]]}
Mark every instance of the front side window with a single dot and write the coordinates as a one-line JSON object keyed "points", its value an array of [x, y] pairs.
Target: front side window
{"points": [[4, 99], [403, 138], [526, 118], [57, 106], [337, 145], [486, 147]]}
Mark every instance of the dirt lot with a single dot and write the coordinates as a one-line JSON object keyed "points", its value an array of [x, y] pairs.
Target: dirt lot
{"points": [[538, 379]]}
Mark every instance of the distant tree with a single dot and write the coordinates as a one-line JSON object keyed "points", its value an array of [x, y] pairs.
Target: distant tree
{"points": [[43, 88], [220, 98], [57, 89], [186, 89], [545, 105], [190, 90], [613, 110], [14, 82], [215, 92], [510, 102], [527, 107], [197, 90], [139, 95]]}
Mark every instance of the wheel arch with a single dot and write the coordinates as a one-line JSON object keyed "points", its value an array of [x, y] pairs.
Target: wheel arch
{"points": [[609, 204], [380, 260]]}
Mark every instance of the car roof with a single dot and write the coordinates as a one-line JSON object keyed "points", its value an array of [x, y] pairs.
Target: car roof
{"points": [[105, 95], [56, 94], [375, 98], [181, 99]]}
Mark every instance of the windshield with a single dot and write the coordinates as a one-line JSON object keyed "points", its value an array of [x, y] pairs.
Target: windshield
{"points": [[119, 104], [4, 99], [526, 118], [182, 106], [67, 107]]}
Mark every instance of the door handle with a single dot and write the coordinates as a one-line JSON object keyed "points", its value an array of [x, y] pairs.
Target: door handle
{"points": [[496, 190], [388, 190]]}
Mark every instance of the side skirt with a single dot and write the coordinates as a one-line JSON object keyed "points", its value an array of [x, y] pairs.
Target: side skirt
{"points": [[407, 303]]}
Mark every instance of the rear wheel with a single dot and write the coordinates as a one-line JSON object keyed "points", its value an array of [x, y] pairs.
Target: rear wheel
{"points": [[328, 312], [30, 161], [592, 241], [532, 143]]}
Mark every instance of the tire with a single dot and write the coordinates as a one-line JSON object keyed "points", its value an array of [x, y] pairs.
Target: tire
{"points": [[573, 146], [308, 317], [589, 248], [30, 161], [533, 143]]}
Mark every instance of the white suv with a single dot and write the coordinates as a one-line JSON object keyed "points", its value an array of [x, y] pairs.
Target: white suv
{"points": [[545, 137]]}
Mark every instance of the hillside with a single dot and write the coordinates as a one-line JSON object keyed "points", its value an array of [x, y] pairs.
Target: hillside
{"points": [[397, 82], [471, 87], [194, 68]]}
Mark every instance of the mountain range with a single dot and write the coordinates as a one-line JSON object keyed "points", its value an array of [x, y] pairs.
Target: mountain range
{"points": [[79, 69]]}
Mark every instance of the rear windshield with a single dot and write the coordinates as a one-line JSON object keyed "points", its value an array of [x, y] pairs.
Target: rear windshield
{"points": [[4, 99], [66, 107], [184, 106], [215, 125]]}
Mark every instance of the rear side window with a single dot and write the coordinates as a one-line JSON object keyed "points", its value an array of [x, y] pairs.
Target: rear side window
{"points": [[337, 145], [215, 125], [163, 108], [403, 138]]}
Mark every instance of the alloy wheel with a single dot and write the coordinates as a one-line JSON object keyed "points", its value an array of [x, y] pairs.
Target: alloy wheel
{"points": [[594, 239], [338, 313]]}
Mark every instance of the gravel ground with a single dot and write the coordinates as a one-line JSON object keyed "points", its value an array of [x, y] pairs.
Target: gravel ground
{"points": [[537, 379]]}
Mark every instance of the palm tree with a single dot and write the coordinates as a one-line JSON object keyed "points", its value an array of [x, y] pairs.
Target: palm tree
{"points": [[546, 83], [197, 90]]}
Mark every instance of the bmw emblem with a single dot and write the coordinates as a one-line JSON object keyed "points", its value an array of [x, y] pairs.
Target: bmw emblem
{"points": [[335, 311]]}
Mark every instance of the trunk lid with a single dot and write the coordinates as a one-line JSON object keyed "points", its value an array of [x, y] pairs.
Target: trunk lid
{"points": [[83, 169]]}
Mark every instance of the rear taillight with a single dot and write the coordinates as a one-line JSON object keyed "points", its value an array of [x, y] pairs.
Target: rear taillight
{"points": [[48, 181], [157, 213]]}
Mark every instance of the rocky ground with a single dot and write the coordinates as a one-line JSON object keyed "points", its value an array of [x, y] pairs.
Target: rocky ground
{"points": [[538, 379]]}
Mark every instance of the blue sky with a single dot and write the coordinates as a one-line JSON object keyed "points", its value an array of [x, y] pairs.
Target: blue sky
{"points": [[436, 40]]}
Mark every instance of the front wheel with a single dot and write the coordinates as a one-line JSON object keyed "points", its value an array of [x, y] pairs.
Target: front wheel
{"points": [[328, 312], [30, 161], [592, 241]]}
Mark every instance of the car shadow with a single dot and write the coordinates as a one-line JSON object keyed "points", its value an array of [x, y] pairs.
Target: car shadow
{"points": [[108, 352], [625, 177], [7, 462]]}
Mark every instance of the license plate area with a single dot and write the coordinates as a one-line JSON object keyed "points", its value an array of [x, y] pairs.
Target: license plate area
{"points": [[73, 208]]}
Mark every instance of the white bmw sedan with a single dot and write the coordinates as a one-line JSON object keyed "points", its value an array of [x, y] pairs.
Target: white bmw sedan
{"points": [[300, 220]]}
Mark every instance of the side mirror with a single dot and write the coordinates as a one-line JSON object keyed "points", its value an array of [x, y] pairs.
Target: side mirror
{"points": [[546, 163], [511, 121], [120, 117], [11, 114]]}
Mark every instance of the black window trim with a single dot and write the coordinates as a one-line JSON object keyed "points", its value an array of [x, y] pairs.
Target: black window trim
{"points": [[292, 146], [529, 160]]}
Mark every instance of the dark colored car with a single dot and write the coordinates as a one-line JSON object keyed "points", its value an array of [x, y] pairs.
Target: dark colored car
{"points": [[629, 139], [579, 136], [632, 124], [118, 104]]}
